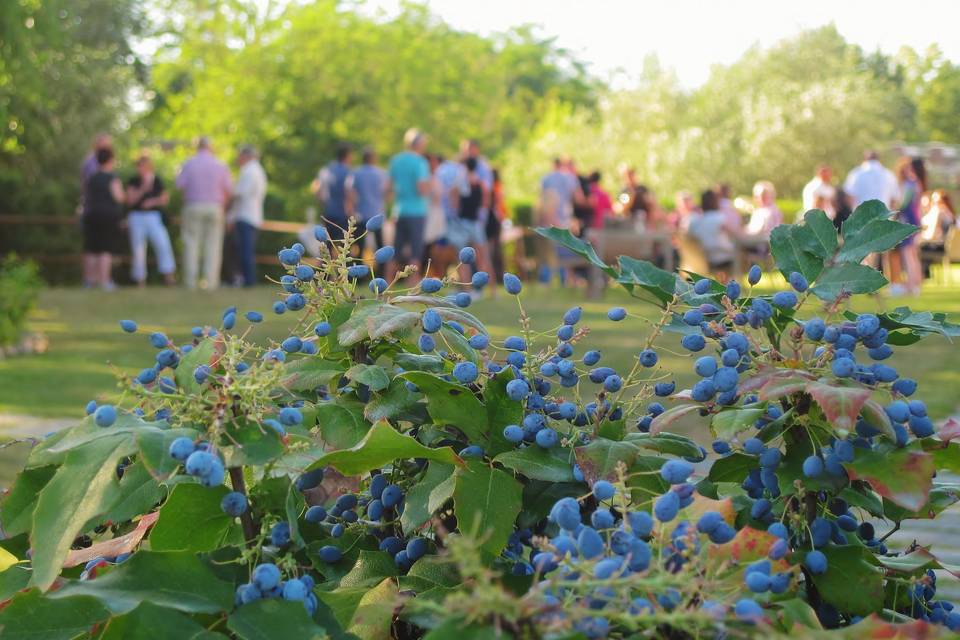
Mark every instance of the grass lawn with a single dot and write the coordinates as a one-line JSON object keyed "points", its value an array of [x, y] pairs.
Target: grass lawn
{"points": [[87, 345]]}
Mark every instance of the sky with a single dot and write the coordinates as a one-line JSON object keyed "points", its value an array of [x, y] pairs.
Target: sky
{"points": [[690, 36]]}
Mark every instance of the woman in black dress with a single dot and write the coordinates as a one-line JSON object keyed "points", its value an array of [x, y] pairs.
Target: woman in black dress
{"points": [[102, 213]]}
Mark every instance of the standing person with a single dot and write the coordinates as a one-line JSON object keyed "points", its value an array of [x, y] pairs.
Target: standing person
{"points": [[558, 190], [937, 220], [103, 200], [332, 190], [907, 253], [246, 210], [871, 181], [90, 165], [410, 182], [206, 186], [468, 229], [367, 185], [582, 208], [766, 215], [494, 228], [819, 193], [600, 201], [147, 197]]}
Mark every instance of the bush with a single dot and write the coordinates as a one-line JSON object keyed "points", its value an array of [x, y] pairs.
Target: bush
{"points": [[20, 285], [387, 471]]}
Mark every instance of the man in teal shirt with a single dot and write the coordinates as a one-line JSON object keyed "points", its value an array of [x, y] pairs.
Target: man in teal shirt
{"points": [[410, 183]]}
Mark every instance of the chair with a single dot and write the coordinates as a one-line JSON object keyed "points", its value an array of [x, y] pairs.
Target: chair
{"points": [[692, 257], [947, 256]]}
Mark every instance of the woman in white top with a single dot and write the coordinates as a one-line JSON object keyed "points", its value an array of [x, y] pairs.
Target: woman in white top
{"points": [[766, 215], [713, 230]]}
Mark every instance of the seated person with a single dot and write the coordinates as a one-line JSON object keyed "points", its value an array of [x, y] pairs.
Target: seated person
{"points": [[766, 215], [938, 219], [713, 230]]}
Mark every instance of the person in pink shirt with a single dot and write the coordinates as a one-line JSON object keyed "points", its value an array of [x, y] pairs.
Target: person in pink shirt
{"points": [[206, 186], [600, 199], [766, 215]]}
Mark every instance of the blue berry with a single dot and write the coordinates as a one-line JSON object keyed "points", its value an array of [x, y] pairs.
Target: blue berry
{"points": [[512, 283], [384, 254], [785, 299], [465, 372], [479, 341], [705, 366], [392, 495], [666, 506], [613, 383], [816, 562], [105, 415], [798, 282], [431, 285], [753, 275], [701, 286], [379, 285], [288, 257], [468, 255], [547, 438], [181, 448], [843, 367], [813, 466], [603, 490], [304, 272], [374, 223], [617, 314], [693, 342], [676, 471], [426, 343], [572, 316], [234, 504], [513, 433], [703, 391], [431, 321], [265, 577], [357, 271], [309, 480], [128, 325], [664, 389], [517, 389], [566, 514], [693, 317], [733, 290], [330, 554], [867, 325], [290, 416]]}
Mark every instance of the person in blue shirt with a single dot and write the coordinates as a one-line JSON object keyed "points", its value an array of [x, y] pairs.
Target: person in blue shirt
{"points": [[367, 187], [331, 190], [410, 184]]}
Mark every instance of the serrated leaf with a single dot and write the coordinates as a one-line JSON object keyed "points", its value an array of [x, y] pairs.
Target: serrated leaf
{"points": [[726, 424], [249, 443], [852, 583], [875, 416], [666, 419], [847, 278], [585, 250], [16, 510], [865, 213], [419, 362], [308, 373], [150, 622], [136, 494], [274, 618], [940, 498], [662, 285], [342, 424], [599, 459], [374, 376], [293, 507], [665, 442], [71, 499], [154, 445], [781, 386], [191, 520], [370, 569], [464, 318], [420, 501], [903, 476], [207, 351], [788, 244], [552, 465], [178, 580], [373, 616], [382, 445], [732, 468], [355, 328], [391, 404], [486, 502], [877, 237], [840, 404], [501, 411], [821, 240], [31, 616], [452, 404]]}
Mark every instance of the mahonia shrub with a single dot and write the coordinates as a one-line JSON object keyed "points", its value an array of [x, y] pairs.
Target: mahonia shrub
{"points": [[387, 470]]}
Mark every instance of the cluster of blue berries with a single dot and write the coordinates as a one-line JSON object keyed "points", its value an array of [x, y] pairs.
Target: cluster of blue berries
{"points": [[267, 581]]}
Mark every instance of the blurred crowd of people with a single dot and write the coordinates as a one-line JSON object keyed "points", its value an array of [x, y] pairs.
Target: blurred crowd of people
{"points": [[720, 225], [438, 204]]}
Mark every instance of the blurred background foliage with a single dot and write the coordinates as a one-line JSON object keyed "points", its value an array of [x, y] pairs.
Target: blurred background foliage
{"points": [[296, 79]]}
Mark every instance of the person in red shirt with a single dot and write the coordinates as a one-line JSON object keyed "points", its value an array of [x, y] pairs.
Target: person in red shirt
{"points": [[600, 201]]}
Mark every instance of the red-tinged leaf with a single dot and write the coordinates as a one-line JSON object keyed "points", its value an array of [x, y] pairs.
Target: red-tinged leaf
{"points": [[767, 375], [841, 405], [599, 459], [668, 417], [778, 387], [950, 430], [114, 547], [749, 544], [876, 628], [916, 561], [702, 504], [903, 476], [946, 455]]}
